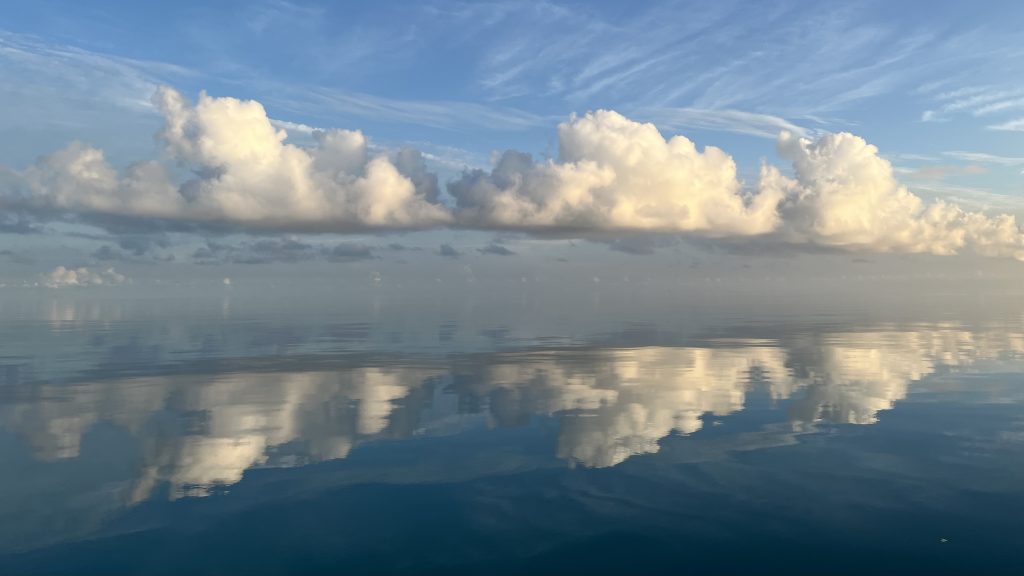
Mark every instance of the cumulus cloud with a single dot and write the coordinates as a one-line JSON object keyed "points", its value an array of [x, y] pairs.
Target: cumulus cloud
{"points": [[844, 195], [61, 277], [612, 178], [614, 174], [244, 174]]}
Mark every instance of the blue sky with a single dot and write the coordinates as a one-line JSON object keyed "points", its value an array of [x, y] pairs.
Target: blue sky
{"points": [[935, 86]]}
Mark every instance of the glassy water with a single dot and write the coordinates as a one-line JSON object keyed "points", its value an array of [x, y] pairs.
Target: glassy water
{"points": [[264, 433]]}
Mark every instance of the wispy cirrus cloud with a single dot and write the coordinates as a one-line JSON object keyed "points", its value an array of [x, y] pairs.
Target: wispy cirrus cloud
{"points": [[1015, 125], [444, 114], [738, 121], [45, 69], [969, 197], [784, 59], [984, 158], [979, 102], [69, 87], [976, 100]]}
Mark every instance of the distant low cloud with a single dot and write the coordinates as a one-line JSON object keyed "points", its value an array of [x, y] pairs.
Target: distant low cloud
{"points": [[398, 247], [613, 178], [17, 224], [496, 250], [637, 245], [448, 251], [349, 252], [62, 277], [108, 253], [279, 249], [132, 247]]}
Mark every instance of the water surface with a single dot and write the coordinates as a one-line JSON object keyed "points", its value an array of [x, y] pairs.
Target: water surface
{"points": [[226, 435]]}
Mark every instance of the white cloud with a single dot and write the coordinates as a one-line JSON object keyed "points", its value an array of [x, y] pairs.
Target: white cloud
{"points": [[612, 175], [294, 126], [1001, 106], [845, 195], [245, 174], [981, 103], [984, 158], [49, 73], [738, 121], [252, 176], [1015, 125], [978, 100], [61, 277]]}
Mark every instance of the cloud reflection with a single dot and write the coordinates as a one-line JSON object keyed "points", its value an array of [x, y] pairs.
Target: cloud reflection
{"points": [[199, 432], [617, 403]]}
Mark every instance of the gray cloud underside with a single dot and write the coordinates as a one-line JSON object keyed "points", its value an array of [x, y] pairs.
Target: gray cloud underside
{"points": [[613, 178], [270, 249]]}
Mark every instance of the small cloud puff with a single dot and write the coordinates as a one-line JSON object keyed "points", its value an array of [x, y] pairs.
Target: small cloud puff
{"points": [[62, 277]]}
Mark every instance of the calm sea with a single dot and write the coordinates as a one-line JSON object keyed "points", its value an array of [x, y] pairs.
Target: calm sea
{"points": [[445, 433]]}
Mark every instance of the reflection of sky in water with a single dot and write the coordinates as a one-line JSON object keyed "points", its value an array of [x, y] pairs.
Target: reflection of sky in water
{"points": [[106, 412]]}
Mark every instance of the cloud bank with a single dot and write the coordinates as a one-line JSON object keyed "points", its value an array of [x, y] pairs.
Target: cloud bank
{"points": [[613, 177], [244, 173], [62, 277]]}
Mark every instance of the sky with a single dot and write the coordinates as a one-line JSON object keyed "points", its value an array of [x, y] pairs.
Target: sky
{"points": [[459, 139]]}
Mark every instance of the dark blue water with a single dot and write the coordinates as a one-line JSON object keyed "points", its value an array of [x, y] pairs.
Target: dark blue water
{"points": [[219, 437]]}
